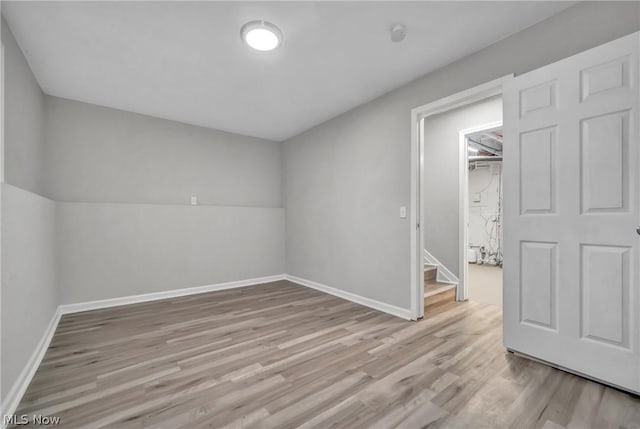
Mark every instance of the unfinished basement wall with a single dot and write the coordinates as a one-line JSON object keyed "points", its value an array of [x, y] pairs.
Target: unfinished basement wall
{"points": [[346, 178]]}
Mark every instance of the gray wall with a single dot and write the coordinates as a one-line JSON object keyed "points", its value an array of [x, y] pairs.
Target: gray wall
{"points": [[116, 250], [24, 142], [345, 179], [29, 292], [98, 154], [123, 182], [441, 176]]}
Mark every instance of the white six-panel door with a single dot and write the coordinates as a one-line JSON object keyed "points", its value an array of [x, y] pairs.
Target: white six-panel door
{"points": [[572, 205]]}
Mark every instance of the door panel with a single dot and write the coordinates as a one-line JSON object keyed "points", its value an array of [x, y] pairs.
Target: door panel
{"points": [[538, 284], [571, 203], [604, 144], [537, 171], [605, 291]]}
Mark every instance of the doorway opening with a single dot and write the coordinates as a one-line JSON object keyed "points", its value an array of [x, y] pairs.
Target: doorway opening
{"points": [[482, 240], [439, 197]]}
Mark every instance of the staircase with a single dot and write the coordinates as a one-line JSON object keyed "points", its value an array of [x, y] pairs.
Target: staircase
{"points": [[435, 292]]}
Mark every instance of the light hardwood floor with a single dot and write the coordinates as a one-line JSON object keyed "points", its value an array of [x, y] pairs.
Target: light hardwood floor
{"points": [[282, 356]]}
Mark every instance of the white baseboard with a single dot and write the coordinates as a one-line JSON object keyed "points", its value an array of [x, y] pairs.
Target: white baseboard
{"points": [[403, 313], [14, 396], [135, 299]]}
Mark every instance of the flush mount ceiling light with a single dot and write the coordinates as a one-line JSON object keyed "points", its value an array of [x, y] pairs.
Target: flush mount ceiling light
{"points": [[261, 35]]}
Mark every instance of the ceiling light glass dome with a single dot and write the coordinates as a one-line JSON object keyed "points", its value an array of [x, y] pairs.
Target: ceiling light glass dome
{"points": [[261, 35]]}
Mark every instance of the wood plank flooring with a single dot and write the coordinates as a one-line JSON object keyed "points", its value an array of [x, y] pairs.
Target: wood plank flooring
{"points": [[283, 356]]}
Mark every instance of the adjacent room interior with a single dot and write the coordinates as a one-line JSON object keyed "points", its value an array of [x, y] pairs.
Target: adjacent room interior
{"points": [[484, 230], [457, 231], [320, 214]]}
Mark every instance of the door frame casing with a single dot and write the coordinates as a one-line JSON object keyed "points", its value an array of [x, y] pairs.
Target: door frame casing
{"points": [[416, 218], [462, 292]]}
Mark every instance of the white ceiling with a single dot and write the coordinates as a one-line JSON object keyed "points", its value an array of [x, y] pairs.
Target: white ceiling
{"points": [[186, 62]]}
